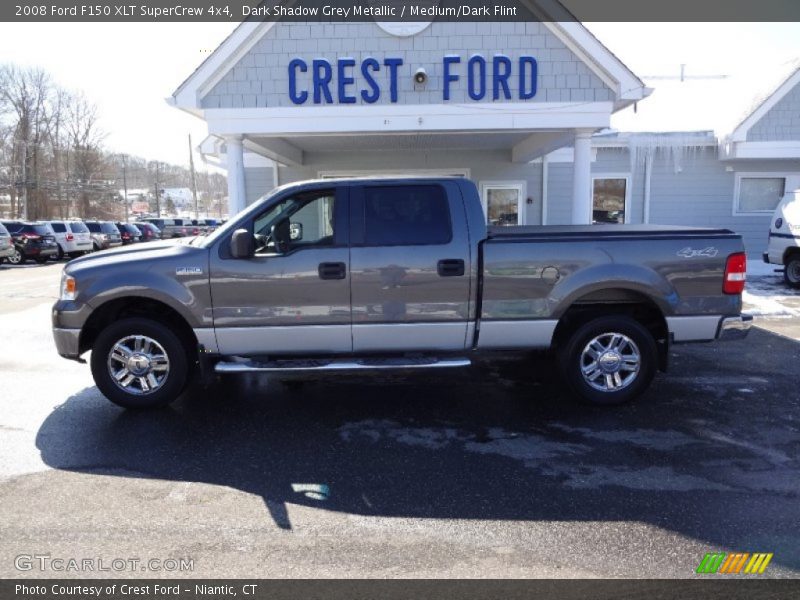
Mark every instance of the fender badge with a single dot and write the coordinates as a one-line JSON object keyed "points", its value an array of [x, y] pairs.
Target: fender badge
{"points": [[690, 252], [188, 271]]}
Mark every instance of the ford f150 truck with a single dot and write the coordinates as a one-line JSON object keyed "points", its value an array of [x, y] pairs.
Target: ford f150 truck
{"points": [[396, 274]]}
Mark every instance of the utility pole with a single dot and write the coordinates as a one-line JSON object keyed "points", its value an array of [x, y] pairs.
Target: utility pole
{"points": [[158, 200], [194, 182], [125, 183]]}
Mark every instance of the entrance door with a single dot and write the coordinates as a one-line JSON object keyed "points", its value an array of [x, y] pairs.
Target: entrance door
{"points": [[503, 203], [410, 267], [293, 295]]}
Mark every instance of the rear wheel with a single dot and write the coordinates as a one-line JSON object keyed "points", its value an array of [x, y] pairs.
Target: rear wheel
{"points": [[791, 273], [609, 360], [139, 363], [60, 255]]}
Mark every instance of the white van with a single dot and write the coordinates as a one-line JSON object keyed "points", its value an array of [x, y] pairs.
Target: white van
{"points": [[784, 238]]}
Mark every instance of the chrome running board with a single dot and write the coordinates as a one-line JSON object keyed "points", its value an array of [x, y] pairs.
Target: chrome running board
{"points": [[244, 365]]}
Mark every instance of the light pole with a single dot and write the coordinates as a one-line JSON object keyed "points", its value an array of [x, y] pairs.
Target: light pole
{"points": [[125, 183]]}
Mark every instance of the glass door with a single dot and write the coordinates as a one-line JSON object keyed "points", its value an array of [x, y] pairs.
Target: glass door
{"points": [[503, 203]]}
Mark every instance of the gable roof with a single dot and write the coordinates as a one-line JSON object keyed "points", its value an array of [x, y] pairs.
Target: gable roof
{"points": [[626, 86], [765, 103]]}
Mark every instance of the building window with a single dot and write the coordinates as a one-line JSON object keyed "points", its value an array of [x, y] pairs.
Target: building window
{"points": [[758, 194], [503, 203], [610, 199]]}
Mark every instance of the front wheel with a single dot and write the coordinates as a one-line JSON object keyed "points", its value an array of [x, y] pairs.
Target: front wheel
{"points": [[17, 258], [139, 363], [791, 274], [609, 360]]}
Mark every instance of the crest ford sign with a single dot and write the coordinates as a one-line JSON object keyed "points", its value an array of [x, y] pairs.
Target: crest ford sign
{"points": [[347, 81]]}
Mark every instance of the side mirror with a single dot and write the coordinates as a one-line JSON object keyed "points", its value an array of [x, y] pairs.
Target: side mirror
{"points": [[295, 231], [242, 244]]}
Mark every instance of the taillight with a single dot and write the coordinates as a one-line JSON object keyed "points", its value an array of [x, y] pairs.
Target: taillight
{"points": [[735, 273], [70, 237], [195, 231], [31, 236]]}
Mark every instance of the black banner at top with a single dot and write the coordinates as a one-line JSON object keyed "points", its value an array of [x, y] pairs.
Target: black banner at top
{"points": [[189, 11]]}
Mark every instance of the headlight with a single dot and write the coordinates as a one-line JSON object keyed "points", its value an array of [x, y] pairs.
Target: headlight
{"points": [[68, 287]]}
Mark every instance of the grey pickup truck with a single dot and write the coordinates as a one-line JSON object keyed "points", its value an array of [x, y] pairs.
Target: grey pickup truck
{"points": [[396, 273]]}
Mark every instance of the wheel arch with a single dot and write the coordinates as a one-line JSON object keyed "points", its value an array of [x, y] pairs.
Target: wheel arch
{"points": [[136, 306], [610, 301]]}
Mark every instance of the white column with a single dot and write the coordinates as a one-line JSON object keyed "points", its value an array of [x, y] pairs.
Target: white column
{"points": [[236, 192], [582, 179]]}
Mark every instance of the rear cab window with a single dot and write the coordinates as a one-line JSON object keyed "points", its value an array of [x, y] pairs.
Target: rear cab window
{"points": [[78, 228], [406, 215]]}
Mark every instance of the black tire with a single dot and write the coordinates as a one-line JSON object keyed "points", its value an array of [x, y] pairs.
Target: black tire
{"points": [[18, 258], [60, 255], [791, 271], [574, 355], [174, 381]]}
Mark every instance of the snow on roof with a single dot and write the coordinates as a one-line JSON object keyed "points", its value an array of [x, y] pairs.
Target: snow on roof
{"points": [[719, 102]]}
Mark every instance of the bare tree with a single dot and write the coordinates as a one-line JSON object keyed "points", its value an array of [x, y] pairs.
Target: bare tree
{"points": [[24, 96]]}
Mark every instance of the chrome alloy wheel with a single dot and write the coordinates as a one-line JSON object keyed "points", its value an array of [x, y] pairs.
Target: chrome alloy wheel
{"points": [[610, 362], [138, 364]]}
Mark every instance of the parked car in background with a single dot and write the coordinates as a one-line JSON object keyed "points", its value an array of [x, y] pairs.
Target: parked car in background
{"points": [[73, 238], [104, 234], [169, 228], [205, 225], [190, 227], [784, 238], [6, 244], [130, 234], [149, 231], [31, 241]]}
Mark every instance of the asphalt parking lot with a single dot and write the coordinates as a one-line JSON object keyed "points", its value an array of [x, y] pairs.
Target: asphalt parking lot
{"points": [[488, 472]]}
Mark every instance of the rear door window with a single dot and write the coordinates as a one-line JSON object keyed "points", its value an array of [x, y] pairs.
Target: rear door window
{"points": [[93, 227], [407, 215], [58, 227]]}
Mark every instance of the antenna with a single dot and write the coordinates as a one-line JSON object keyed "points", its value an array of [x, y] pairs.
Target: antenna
{"points": [[683, 76]]}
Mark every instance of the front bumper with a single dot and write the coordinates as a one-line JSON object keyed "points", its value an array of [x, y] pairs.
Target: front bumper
{"points": [[734, 328], [67, 342]]}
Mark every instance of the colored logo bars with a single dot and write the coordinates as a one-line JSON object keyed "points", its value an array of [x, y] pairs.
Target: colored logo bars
{"points": [[734, 563]]}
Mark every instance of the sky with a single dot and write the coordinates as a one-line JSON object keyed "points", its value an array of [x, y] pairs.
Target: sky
{"points": [[128, 69]]}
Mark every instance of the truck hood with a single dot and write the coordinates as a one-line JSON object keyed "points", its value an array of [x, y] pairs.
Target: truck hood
{"points": [[132, 255]]}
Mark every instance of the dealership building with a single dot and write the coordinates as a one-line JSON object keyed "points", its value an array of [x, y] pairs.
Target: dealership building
{"points": [[523, 109]]}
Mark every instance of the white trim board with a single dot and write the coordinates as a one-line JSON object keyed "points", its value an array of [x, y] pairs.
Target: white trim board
{"points": [[352, 120], [346, 173]]}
